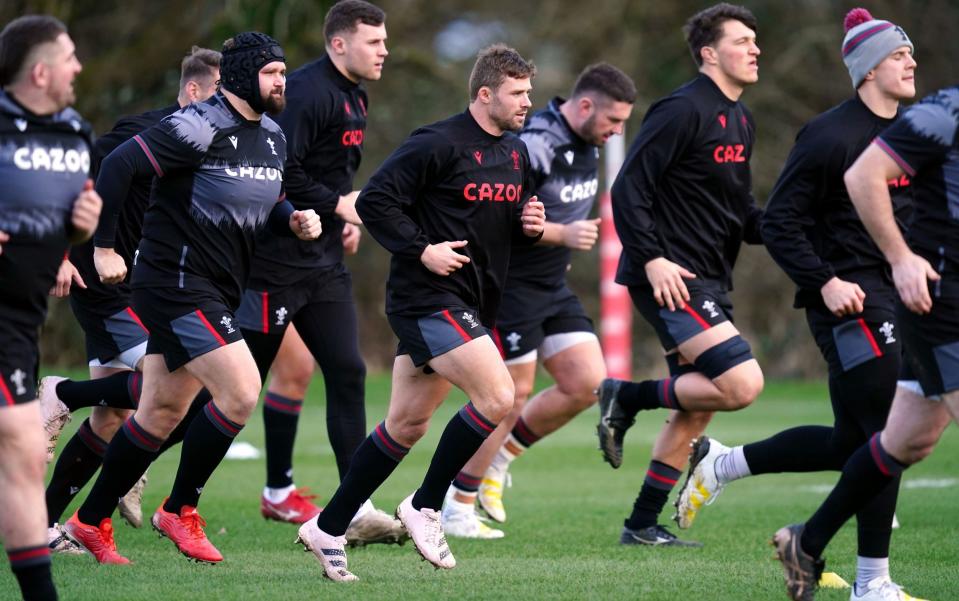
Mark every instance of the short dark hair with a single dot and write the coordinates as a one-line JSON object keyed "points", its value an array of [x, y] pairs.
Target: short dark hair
{"points": [[201, 62], [706, 27], [18, 40], [605, 80], [494, 64], [344, 16]]}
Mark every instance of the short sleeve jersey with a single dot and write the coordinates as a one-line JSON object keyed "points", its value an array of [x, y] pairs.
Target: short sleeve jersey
{"points": [[218, 178]]}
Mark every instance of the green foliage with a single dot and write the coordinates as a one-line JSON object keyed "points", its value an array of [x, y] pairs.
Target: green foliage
{"points": [[131, 55]]}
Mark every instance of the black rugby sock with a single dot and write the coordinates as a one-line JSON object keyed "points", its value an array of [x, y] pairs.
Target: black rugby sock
{"points": [[207, 440], [129, 455], [868, 471], [460, 440], [78, 462], [372, 464], [120, 391], [660, 480], [648, 394], [801, 449], [280, 418], [31, 566]]}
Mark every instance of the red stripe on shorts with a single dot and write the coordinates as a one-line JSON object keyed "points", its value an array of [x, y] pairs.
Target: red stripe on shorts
{"points": [[213, 331], [458, 327]]}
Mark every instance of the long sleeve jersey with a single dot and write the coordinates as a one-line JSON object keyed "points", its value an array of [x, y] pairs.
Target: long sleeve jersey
{"points": [[130, 221], [325, 124], [44, 163], [219, 178], [810, 226], [685, 189], [449, 181], [565, 171]]}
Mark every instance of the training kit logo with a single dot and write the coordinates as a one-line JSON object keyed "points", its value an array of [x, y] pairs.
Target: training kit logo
{"points": [[722, 121], [346, 107], [886, 330], [569, 155], [478, 155], [513, 340], [17, 378], [272, 145], [515, 157], [227, 323], [281, 316], [233, 140], [469, 319], [21, 124], [710, 307]]}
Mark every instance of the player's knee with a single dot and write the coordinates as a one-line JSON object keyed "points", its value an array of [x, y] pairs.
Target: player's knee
{"points": [[407, 432], [500, 402], [292, 382], [915, 449], [521, 393], [105, 421], [740, 392], [580, 391]]}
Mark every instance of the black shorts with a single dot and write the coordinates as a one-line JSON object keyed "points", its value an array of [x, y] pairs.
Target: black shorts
{"points": [[426, 336], [850, 341], [932, 345], [19, 356], [269, 311], [184, 324], [528, 314], [708, 306], [110, 328]]}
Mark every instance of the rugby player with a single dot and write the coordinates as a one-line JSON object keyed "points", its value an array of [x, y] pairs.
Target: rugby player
{"points": [[811, 228], [540, 316], [448, 204], [46, 203], [682, 206], [219, 167]]}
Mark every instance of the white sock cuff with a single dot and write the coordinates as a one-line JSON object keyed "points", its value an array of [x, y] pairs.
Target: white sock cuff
{"points": [[278, 495]]}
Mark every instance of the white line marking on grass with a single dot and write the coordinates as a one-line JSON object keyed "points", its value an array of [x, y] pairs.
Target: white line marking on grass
{"points": [[915, 483]]}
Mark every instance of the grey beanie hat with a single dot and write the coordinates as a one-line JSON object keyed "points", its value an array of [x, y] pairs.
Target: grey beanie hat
{"points": [[868, 42]]}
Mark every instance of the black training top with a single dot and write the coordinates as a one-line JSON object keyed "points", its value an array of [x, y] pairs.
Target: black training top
{"points": [[925, 144], [811, 227], [685, 189], [449, 181], [565, 175], [218, 180], [44, 163], [130, 222], [324, 122]]}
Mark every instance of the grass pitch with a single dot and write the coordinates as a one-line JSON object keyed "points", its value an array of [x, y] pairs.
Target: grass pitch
{"points": [[565, 511]]}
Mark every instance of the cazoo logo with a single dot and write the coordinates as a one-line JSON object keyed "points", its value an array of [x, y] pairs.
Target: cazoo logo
{"points": [[57, 160]]}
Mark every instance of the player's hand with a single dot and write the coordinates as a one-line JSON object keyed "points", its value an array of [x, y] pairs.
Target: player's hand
{"points": [[581, 235], [533, 217], [666, 278], [842, 297], [912, 274], [86, 213], [306, 224], [346, 208], [4, 237], [66, 276], [442, 258], [110, 266], [351, 238]]}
